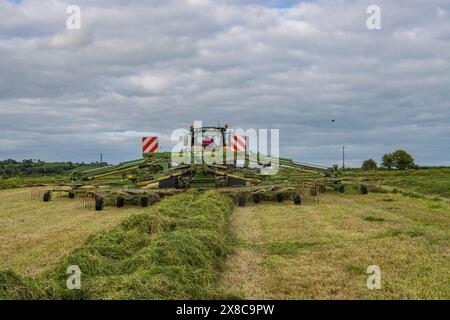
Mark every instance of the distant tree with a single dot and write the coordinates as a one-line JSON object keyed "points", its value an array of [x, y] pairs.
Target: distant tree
{"points": [[402, 160], [387, 161], [28, 163], [369, 164], [11, 170]]}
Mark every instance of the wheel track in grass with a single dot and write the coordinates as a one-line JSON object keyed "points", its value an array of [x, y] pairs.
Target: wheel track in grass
{"points": [[244, 275]]}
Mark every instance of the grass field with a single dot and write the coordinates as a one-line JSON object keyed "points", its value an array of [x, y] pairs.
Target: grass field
{"points": [[27, 181], [433, 182], [34, 235], [170, 251], [323, 251], [193, 246]]}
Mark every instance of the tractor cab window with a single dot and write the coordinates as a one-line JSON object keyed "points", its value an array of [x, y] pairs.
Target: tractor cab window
{"points": [[209, 138]]}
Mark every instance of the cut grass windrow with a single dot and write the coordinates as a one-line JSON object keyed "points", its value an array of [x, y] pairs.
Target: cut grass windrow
{"points": [[173, 251]]}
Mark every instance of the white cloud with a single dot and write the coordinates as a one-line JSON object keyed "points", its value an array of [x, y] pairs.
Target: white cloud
{"points": [[71, 39]]}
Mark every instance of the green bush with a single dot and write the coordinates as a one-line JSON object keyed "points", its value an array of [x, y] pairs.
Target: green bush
{"points": [[369, 164]]}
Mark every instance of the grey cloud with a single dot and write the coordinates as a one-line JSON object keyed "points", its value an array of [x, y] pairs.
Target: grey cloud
{"points": [[154, 66]]}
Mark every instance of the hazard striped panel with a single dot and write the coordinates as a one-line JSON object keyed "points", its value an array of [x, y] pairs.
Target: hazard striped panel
{"points": [[238, 143], [149, 145]]}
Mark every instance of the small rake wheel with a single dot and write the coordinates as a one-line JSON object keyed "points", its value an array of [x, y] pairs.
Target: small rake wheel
{"points": [[363, 189], [99, 204], [120, 202], [297, 199], [144, 202], [47, 196], [280, 197], [241, 201]]}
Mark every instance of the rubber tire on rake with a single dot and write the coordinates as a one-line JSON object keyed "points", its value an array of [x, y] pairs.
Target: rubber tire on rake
{"points": [[144, 202], [256, 198], [297, 199], [47, 196], [363, 189], [99, 204], [280, 197], [120, 202], [241, 201]]}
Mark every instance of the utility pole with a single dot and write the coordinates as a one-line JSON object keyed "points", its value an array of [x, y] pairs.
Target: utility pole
{"points": [[101, 159], [343, 157]]}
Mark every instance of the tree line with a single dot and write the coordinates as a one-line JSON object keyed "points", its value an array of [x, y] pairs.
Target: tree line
{"points": [[12, 168], [399, 159]]}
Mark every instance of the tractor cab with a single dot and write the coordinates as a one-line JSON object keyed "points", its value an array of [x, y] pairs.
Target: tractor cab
{"points": [[207, 138]]}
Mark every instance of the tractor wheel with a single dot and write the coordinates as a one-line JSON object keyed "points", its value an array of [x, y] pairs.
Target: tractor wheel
{"points": [[144, 202], [280, 197], [99, 204], [232, 182], [297, 199], [120, 202], [363, 189], [241, 201], [47, 196], [71, 195], [256, 198], [171, 182]]}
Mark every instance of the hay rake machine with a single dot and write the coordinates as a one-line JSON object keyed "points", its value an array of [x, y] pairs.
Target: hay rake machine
{"points": [[210, 157]]}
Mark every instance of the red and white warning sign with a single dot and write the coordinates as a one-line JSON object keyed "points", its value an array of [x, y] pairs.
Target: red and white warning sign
{"points": [[238, 143], [149, 145]]}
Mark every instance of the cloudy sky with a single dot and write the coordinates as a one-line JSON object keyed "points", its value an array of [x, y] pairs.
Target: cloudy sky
{"points": [[149, 67]]}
